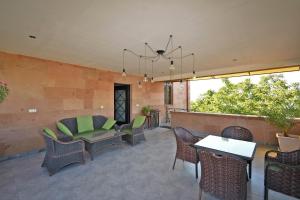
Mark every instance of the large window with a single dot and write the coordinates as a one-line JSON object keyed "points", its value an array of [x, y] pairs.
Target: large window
{"points": [[168, 91]]}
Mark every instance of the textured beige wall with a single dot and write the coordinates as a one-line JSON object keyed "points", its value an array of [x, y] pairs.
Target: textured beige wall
{"points": [[262, 131], [58, 90]]}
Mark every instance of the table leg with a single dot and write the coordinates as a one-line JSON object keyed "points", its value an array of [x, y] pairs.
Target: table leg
{"points": [[250, 169], [92, 157], [89, 148]]}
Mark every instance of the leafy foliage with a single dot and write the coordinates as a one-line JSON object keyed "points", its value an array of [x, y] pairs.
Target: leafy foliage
{"points": [[272, 97], [3, 91], [146, 110]]}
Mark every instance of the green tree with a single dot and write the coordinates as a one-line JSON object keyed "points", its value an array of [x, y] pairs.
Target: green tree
{"points": [[272, 97]]}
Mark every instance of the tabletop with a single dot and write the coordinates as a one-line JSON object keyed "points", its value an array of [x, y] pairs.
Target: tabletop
{"points": [[99, 136], [232, 146]]}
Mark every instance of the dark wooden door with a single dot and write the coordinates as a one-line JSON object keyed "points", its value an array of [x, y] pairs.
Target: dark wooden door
{"points": [[122, 104]]}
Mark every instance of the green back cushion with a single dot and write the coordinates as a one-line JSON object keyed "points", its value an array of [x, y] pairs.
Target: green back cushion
{"points": [[138, 121], [85, 123], [109, 124], [64, 129], [50, 133]]}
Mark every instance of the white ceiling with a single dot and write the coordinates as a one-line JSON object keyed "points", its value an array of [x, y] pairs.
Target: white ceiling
{"points": [[258, 33]]}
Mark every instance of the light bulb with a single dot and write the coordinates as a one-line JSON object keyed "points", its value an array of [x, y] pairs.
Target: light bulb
{"points": [[124, 73], [139, 84], [194, 74], [145, 78], [172, 67], [181, 85]]}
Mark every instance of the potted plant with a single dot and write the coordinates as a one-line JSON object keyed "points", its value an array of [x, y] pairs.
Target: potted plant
{"points": [[283, 119], [146, 110], [3, 91]]}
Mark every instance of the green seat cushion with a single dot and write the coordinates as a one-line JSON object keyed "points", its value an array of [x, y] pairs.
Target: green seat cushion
{"points": [[50, 133], [138, 121], [109, 124], [127, 130], [64, 129], [85, 123]]}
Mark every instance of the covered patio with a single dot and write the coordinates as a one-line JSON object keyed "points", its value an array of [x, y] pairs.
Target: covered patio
{"points": [[92, 93]]}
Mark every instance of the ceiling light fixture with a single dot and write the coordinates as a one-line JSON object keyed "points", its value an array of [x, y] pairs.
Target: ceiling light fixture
{"points": [[124, 73], [140, 84], [194, 73], [172, 67], [165, 53], [145, 78], [152, 78]]}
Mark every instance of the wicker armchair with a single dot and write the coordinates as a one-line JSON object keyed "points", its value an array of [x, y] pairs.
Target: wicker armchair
{"points": [[282, 172], [60, 154], [224, 177], [185, 150], [134, 130], [239, 133]]}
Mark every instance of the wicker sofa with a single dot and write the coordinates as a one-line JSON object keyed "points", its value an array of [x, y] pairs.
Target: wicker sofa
{"points": [[71, 123]]}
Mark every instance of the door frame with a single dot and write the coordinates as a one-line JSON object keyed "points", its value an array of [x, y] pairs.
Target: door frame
{"points": [[127, 88]]}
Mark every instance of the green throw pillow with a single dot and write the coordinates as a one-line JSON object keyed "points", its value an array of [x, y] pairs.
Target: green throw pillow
{"points": [[138, 121], [109, 124], [64, 129], [50, 133], [85, 123]]}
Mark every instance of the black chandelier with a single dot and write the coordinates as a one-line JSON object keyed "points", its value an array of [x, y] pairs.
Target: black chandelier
{"points": [[166, 53]]}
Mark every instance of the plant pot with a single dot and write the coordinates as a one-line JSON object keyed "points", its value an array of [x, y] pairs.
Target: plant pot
{"points": [[287, 144]]}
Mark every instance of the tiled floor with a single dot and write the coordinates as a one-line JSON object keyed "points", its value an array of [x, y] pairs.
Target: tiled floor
{"points": [[125, 172]]}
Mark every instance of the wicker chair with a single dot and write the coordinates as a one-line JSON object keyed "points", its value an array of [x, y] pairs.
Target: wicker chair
{"points": [[224, 177], [239, 133], [134, 135], [185, 151], [60, 154], [282, 172]]}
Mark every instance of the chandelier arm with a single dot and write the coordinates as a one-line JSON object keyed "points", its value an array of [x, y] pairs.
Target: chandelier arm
{"points": [[149, 57], [191, 54], [149, 47], [173, 51], [193, 63], [130, 51], [156, 59], [170, 38], [165, 57]]}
